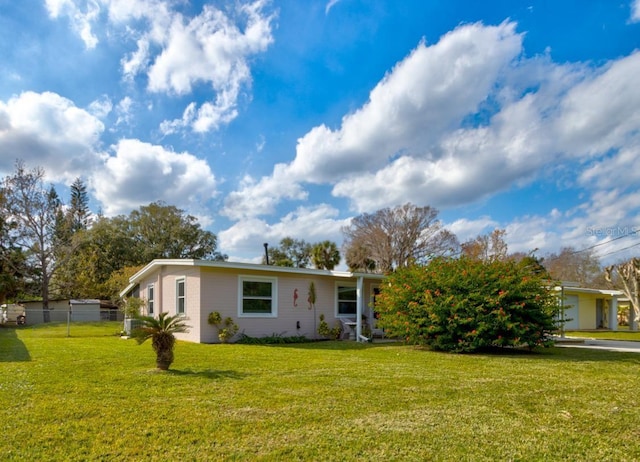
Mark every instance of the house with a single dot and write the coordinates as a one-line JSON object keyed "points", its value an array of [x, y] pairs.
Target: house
{"points": [[588, 309], [262, 300]]}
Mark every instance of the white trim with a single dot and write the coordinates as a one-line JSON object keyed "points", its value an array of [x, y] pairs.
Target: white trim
{"points": [[183, 280], [274, 296], [151, 300], [350, 284], [159, 263]]}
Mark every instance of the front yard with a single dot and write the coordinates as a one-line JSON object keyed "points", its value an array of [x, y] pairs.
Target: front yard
{"points": [[94, 396]]}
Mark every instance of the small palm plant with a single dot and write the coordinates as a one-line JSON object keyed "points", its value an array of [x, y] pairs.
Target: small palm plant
{"points": [[161, 331]]}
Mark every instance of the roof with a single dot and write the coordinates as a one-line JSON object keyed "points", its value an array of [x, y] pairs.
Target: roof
{"points": [[152, 266], [585, 290]]}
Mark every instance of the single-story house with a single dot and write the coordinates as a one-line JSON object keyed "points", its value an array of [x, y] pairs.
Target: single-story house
{"points": [[588, 309], [262, 300]]}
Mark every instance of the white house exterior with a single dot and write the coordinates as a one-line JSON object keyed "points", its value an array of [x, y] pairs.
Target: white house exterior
{"points": [[262, 300]]}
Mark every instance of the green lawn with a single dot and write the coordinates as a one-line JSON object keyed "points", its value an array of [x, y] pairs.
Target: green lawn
{"points": [[94, 396], [606, 335]]}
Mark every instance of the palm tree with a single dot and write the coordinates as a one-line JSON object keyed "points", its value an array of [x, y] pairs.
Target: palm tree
{"points": [[325, 255], [161, 331]]}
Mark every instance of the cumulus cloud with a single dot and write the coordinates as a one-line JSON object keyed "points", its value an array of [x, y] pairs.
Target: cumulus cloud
{"points": [[178, 53], [47, 130], [256, 198], [312, 224], [468, 117], [430, 91], [139, 173]]}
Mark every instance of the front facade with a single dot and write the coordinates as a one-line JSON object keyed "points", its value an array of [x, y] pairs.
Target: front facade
{"points": [[262, 300], [589, 309]]}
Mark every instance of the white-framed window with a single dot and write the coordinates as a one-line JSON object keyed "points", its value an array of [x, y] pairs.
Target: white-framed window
{"points": [[257, 297], [150, 299], [180, 296], [346, 299]]}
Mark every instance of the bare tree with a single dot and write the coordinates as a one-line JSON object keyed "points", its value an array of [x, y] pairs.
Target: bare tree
{"points": [[36, 210], [628, 279], [487, 247], [399, 237], [581, 266]]}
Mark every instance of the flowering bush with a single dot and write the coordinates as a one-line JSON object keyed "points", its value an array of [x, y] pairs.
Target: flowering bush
{"points": [[465, 305]]}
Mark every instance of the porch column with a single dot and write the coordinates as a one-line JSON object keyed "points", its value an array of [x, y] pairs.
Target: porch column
{"points": [[359, 306], [613, 313]]}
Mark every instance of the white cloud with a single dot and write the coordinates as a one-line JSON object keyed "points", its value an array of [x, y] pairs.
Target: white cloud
{"points": [[257, 198], [80, 18], [101, 107], [140, 173], [466, 229], [313, 224], [178, 54], [330, 4], [430, 91], [635, 11], [47, 130]]}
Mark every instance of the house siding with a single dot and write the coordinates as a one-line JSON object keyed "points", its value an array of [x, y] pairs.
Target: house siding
{"points": [[215, 287]]}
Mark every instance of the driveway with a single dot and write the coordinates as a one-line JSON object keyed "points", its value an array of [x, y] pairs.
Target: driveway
{"points": [[611, 345]]}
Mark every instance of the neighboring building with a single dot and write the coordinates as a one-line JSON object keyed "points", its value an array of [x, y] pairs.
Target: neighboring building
{"points": [[589, 309], [69, 310], [262, 300]]}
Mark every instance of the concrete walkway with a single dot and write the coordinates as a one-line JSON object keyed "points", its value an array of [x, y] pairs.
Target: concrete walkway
{"points": [[611, 345]]}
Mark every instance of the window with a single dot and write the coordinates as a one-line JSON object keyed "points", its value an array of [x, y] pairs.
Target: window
{"points": [[346, 300], [180, 296], [257, 297], [150, 289]]}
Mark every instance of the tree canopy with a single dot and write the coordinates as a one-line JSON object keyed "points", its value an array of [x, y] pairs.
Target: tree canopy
{"points": [[397, 237]]}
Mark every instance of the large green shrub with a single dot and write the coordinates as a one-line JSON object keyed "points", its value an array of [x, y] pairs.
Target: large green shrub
{"points": [[465, 305]]}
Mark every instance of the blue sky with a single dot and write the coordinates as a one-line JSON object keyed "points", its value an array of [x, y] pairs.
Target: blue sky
{"points": [[268, 119]]}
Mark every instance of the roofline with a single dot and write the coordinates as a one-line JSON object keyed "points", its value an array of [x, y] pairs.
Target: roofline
{"points": [[151, 266], [585, 290]]}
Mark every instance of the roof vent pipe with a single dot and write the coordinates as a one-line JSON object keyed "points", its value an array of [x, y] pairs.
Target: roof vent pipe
{"points": [[266, 252]]}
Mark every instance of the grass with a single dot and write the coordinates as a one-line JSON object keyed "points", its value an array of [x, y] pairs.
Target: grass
{"points": [[606, 335], [94, 396]]}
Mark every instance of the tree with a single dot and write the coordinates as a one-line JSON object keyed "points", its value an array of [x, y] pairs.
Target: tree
{"points": [[465, 305], [628, 279], [293, 253], [161, 331], [165, 231], [78, 213], [12, 260], [581, 266], [36, 212], [325, 255], [398, 237], [487, 247], [107, 247]]}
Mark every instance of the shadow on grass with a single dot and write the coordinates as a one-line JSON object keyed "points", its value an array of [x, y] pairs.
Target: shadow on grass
{"points": [[209, 374], [13, 349]]}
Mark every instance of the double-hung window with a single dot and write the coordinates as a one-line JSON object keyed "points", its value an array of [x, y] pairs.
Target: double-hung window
{"points": [[257, 297], [180, 296], [346, 300], [150, 298]]}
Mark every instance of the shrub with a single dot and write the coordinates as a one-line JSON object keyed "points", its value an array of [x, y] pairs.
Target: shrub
{"points": [[331, 332], [226, 329], [464, 305]]}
